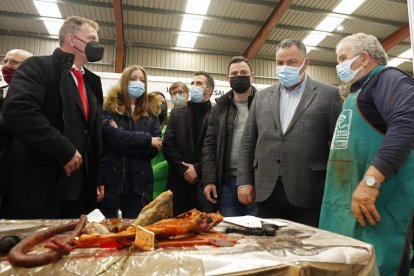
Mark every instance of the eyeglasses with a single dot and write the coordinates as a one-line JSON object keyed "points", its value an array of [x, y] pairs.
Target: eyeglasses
{"points": [[11, 61], [179, 92]]}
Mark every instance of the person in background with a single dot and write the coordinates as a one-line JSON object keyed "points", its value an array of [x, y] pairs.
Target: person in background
{"points": [[179, 94], [183, 142], [221, 144], [11, 62], [53, 109], [159, 108], [131, 138], [285, 145], [369, 191]]}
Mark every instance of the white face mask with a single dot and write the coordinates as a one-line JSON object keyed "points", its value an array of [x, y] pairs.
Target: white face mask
{"points": [[178, 100], [344, 71]]}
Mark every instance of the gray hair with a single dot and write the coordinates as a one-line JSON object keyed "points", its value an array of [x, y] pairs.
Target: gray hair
{"points": [[72, 25], [361, 42], [287, 43]]}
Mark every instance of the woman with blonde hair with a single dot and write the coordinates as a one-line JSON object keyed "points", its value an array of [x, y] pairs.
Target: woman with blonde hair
{"points": [[131, 138]]}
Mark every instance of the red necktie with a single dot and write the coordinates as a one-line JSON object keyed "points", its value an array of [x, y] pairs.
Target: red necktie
{"points": [[82, 92]]}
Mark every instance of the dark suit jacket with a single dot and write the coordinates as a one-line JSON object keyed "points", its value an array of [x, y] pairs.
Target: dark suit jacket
{"points": [[44, 113], [179, 146], [300, 155]]}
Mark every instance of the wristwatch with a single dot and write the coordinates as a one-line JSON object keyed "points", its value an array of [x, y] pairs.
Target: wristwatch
{"points": [[370, 181]]}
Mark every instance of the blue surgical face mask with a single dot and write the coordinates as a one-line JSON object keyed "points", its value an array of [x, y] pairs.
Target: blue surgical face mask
{"points": [[135, 89], [344, 71], [196, 94], [289, 75]]}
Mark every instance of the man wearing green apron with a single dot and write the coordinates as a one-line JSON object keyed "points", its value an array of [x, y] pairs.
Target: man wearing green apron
{"points": [[370, 176]]}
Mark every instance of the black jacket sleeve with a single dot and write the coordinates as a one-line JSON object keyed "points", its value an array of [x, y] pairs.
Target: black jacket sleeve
{"points": [[209, 154], [23, 112], [170, 148]]}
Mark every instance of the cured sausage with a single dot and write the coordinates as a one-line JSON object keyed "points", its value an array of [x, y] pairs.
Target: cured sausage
{"points": [[18, 256]]}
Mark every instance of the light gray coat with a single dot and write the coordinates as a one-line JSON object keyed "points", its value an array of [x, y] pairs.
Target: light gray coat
{"points": [[300, 155]]}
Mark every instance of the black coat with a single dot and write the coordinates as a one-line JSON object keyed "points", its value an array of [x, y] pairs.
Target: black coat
{"points": [[216, 150], [178, 147], [127, 153], [44, 113]]}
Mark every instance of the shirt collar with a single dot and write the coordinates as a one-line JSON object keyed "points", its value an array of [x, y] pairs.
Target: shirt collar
{"points": [[76, 68]]}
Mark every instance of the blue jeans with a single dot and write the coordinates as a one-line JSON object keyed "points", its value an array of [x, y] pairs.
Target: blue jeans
{"points": [[228, 203]]}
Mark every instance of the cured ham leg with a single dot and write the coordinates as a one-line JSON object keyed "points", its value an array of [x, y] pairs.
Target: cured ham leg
{"points": [[191, 222]]}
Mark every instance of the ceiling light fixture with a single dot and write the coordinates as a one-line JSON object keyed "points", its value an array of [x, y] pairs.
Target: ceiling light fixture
{"points": [[331, 22], [192, 22], [403, 57], [49, 9]]}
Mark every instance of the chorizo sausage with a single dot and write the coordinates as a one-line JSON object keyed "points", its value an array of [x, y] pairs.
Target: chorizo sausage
{"points": [[18, 256]]}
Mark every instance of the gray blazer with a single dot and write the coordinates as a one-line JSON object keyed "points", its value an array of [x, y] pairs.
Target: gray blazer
{"points": [[300, 155]]}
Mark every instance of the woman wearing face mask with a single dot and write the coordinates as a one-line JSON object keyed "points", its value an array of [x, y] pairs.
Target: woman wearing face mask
{"points": [[131, 138], [159, 108]]}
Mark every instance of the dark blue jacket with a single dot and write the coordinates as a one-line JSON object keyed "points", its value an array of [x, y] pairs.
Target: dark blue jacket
{"points": [[127, 153]]}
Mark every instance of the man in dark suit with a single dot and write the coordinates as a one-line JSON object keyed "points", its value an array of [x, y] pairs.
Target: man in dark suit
{"points": [[53, 109], [183, 143], [285, 144]]}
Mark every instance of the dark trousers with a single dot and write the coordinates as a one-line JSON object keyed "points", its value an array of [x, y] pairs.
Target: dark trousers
{"points": [[406, 263], [184, 197], [52, 208], [278, 206], [228, 202], [61, 209]]}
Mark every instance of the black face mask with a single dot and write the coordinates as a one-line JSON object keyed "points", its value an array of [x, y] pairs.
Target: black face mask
{"points": [[163, 114], [240, 84], [93, 50]]}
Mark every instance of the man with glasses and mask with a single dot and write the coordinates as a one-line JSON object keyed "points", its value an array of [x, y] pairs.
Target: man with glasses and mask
{"points": [[179, 94], [369, 191], [11, 62], [221, 144], [285, 144], [53, 110], [183, 142]]}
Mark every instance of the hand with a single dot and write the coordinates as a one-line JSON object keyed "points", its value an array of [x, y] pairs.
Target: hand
{"points": [[100, 192], [246, 194], [113, 124], [156, 142], [190, 174], [363, 204], [73, 164], [210, 192]]}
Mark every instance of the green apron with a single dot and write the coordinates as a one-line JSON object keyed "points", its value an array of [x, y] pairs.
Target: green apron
{"points": [[354, 146]]}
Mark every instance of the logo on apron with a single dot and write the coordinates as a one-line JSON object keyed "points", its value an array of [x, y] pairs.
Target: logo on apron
{"points": [[341, 134]]}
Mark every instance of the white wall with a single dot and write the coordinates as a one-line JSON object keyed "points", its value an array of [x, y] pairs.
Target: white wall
{"points": [[157, 83]]}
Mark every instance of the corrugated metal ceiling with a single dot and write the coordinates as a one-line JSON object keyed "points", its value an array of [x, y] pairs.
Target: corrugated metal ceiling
{"points": [[229, 26]]}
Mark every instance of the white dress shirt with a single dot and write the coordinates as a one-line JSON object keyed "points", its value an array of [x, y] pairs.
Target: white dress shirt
{"points": [[289, 102]]}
